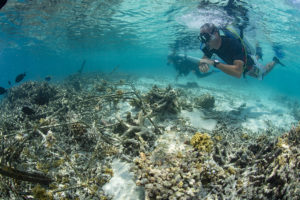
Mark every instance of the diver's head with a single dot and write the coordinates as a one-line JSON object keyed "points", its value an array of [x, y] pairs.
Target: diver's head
{"points": [[210, 35]]}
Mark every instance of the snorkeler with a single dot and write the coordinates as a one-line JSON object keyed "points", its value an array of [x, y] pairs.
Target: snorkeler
{"points": [[233, 52]]}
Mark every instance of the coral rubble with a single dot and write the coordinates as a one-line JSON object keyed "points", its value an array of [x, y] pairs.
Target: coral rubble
{"points": [[214, 168], [58, 141], [205, 101], [162, 101]]}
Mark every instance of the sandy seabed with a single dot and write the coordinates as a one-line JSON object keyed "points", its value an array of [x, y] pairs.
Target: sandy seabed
{"points": [[115, 136]]}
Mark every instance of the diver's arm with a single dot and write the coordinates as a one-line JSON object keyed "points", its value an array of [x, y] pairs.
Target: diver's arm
{"points": [[235, 70], [205, 57]]}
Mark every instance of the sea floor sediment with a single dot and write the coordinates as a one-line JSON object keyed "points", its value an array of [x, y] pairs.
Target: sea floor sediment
{"points": [[114, 136]]}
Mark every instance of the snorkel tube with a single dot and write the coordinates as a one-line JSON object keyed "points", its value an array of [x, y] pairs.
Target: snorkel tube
{"points": [[201, 46]]}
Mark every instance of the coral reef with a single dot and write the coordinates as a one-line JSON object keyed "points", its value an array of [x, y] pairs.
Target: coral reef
{"points": [[181, 175], [65, 136], [202, 142], [277, 168], [41, 193], [32, 92], [136, 136], [64, 139], [160, 101], [205, 101], [259, 168]]}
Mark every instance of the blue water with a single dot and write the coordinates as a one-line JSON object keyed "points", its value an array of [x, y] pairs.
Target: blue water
{"points": [[54, 37]]}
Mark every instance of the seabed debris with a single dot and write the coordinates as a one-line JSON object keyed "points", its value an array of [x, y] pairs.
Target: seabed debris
{"points": [[58, 141]]}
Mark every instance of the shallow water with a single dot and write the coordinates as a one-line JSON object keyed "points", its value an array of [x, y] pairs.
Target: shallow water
{"points": [[53, 38], [117, 40]]}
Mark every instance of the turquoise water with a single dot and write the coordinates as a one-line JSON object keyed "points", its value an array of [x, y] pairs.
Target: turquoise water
{"points": [[98, 136], [54, 37]]}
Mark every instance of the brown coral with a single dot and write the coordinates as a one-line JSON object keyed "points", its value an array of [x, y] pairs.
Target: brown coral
{"points": [[205, 101], [202, 142]]}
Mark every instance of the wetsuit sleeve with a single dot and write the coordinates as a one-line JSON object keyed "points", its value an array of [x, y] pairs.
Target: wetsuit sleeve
{"points": [[207, 53]]}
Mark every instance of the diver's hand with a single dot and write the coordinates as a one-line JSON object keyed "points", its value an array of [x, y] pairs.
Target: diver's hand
{"points": [[207, 61], [203, 67]]}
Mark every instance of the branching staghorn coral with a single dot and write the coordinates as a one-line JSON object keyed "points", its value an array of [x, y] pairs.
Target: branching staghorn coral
{"points": [[136, 136], [44, 143]]}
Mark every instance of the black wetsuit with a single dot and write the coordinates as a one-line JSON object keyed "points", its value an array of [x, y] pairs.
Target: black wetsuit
{"points": [[231, 49]]}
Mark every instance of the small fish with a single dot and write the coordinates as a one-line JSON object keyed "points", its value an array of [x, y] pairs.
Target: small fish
{"points": [[9, 83], [2, 90], [28, 111], [20, 77], [2, 3], [48, 78]]}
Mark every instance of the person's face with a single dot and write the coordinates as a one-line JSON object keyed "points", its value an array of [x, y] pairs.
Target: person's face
{"points": [[209, 38]]}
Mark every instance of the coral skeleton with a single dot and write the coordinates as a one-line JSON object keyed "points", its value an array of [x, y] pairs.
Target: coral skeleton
{"points": [[58, 141]]}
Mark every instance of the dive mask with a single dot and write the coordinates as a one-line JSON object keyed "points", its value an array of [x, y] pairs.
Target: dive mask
{"points": [[204, 37]]}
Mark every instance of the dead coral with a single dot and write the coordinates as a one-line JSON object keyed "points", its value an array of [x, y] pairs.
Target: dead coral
{"points": [[282, 171], [41, 193], [238, 167], [78, 129], [269, 167], [183, 176], [136, 136], [205, 101], [73, 139], [160, 101], [46, 142], [33, 93]]}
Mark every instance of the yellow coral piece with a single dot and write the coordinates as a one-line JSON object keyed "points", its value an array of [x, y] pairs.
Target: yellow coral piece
{"points": [[298, 128], [202, 142], [282, 143], [53, 186], [19, 136], [109, 171], [41, 193], [143, 156], [42, 120], [239, 184], [231, 170], [103, 198], [57, 163], [180, 184], [245, 136], [281, 160], [199, 166], [44, 167], [119, 92], [179, 154], [218, 137]]}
